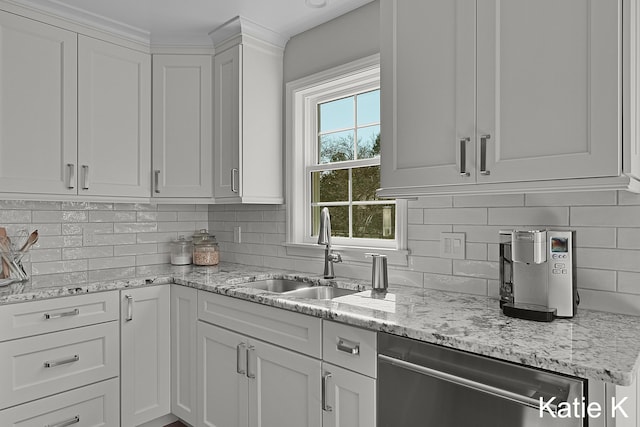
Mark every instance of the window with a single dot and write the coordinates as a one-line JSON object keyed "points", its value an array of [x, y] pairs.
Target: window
{"points": [[333, 149]]}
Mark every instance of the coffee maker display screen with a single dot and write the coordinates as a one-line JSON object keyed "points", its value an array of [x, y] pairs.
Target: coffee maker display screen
{"points": [[559, 244]]}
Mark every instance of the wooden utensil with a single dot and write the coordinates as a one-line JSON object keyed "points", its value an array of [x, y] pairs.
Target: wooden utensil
{"points": [[31, 240], [6, 272]]}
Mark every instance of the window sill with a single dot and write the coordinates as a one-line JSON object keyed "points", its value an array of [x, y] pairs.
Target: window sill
{"points": [[395, 257]]}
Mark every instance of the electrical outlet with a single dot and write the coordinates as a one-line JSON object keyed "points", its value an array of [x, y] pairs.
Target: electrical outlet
{"points": [[452, 245], [237, 235]]}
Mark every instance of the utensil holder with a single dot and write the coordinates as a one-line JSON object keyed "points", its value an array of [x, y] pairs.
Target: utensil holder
{"points": [[379, 276]]}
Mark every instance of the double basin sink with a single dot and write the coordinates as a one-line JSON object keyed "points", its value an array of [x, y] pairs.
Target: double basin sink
{"points": [[294, 288]]}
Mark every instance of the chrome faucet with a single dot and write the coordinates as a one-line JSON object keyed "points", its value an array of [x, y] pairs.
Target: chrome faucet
{"points": [[324, 238]]}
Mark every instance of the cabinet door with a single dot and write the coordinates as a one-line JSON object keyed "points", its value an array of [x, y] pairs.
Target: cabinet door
{"points": [[549, 89], [38, 116], [350, 398], [184, 318], [114, 120], [182, 139], [278, 379], [222, 380], [227, 123], [145, 361], [428, 97]]}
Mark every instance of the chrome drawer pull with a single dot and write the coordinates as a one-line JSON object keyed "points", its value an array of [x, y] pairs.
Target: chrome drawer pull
{"points": [[71, 176], [59, 362], [463, 156], [129, 317], [350, 347], [483, 155], [65, 423], [73, 312], [325, 381], [251, 351], [241, 350]]}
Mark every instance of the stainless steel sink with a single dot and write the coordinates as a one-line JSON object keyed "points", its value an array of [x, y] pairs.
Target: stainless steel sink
{"points": [[320, 292], [278, 285]]}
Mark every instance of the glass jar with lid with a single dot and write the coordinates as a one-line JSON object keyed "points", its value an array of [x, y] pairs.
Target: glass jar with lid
{"points": [[181, 251], [205, 249]]}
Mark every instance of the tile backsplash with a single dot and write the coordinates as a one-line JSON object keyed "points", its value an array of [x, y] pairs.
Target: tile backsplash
{"points": [[82, 241], [607, 225]]}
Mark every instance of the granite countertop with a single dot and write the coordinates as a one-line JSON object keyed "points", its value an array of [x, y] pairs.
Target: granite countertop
{"points": [[594, 345]]}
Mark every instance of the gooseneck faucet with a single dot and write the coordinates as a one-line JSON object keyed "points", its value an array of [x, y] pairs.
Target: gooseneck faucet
{"points": [[324, 238]]}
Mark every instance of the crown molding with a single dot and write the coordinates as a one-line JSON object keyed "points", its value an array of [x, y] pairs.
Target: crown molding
{"points": [[240, 27]]}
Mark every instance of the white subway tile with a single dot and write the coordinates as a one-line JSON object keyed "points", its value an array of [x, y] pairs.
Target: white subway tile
{"points": [[426, 232], [62, 279], [608, 259], [182, 227], [112, 216], [468, 216], [615, 216], [628, 282], [493, 288], [280, 263], [135, 207], [16, 216], [615, 302], [153, 237], [55, 267], [87, 227], [135, 227], [150, 259], [479, 269], [55, 242], [430, 265], [59, 216], [595, 237], [146, 248], [29, 205], [43, 229], [87, 252], [397, 277], [476, 251], [176, 208], [221, 216], [629, 238], [274, 239], [467, 285], [111, 239], [533, 216], [580, 198], [428, 248], [600, 280], [628, 198], [111, 274], [487, 200], [493, 252], [415, 216], [193, 216], [43, 255], [112, 262], [280, 215], [251, 216], [87, 206], [431, 202], [480, 233]]}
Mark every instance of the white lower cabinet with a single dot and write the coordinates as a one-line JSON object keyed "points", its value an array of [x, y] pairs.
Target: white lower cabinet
{"points": [[91, 406], [145, 374], [247, 382], [349, 398], [184, 318]]}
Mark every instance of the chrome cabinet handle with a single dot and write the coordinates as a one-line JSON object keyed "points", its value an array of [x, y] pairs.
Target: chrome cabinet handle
{"points": [[71, 176], [241, 351], [463, 156], [349, 347], [65, 423], [49, 316], [129, 308], [251, 351], [483, 155], [325, 381], [85, 177], [234, 180], [66, 360], [156, 181]]}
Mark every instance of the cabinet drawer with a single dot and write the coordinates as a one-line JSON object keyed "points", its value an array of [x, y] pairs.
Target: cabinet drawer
{"points": [[294, 331], [94, 405], [350, 347], [56, 314], [39, 366]]}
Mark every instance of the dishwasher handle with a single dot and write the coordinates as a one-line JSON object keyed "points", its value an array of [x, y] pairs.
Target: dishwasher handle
{"points": [[465, 382]]}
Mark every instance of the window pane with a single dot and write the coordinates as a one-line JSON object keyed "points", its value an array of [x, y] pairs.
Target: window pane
{"points": [[330, 186], [339, 220], [368, 142], [336, 147], [338, 114], [374, 221], [365, 183], [369, 108]]}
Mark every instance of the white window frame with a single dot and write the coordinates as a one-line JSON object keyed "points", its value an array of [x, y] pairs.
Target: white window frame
{"points": [[302, 97]]}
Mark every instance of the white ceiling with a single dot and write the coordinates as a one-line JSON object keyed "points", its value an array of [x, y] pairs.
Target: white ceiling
{"points": [[189, 21]]}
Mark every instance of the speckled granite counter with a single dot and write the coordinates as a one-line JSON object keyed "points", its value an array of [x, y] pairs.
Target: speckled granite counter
{"points": [[595, 345]]}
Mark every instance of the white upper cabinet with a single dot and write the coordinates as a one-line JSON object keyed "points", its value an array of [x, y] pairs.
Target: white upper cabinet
{"points": [[492, 96], [182, 126], [247, 89], [38, 119], [114, 119]]}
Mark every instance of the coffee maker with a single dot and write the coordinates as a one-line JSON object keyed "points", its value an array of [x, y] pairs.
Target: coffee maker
{"points": [[537, 274]]}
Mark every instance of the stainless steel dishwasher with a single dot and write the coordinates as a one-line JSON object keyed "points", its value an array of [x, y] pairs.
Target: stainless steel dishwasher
{"points": [[426, 385]]}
